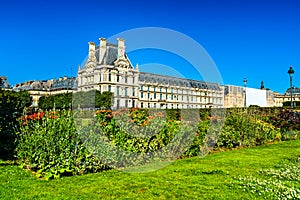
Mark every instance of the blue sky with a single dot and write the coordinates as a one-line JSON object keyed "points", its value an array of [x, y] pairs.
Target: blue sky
{"points": [[255, 39]]}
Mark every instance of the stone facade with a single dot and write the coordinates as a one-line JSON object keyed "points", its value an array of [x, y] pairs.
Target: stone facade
{"points": [[238, 96], [286, 97], [108, 68]]}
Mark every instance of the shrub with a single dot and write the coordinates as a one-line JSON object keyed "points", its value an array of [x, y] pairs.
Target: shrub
{"points": [[50, 146], [246, 128]]}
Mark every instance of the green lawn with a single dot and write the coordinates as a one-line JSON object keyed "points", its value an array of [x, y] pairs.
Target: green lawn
{"points": [[211, 177]]}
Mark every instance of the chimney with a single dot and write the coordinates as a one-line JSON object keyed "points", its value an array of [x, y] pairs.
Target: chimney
{"points": [[102, 50], [92, 48], [121, 47], [262, 85]]}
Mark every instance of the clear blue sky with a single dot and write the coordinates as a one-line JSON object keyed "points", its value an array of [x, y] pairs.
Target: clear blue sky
{"points": [[255, 39]]}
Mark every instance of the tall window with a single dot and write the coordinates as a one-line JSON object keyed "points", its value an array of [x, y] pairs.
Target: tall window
{"points": [[142, 95], [118, 90], [118, 78], [109, 76], [109, 88], [126, 78], [155, 95], [142, 105], [126, 91], [160, 96], [148, 95], [133, 91], [133, 79]]}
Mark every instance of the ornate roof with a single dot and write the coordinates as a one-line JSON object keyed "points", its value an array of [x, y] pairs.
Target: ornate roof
{"points": [[110, 57], [4, 83]]}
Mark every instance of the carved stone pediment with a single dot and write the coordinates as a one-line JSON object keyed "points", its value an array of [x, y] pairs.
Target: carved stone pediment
{"points": [[90, 64], [122, 62]]}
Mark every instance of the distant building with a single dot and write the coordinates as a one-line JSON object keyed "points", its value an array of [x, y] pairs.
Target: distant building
{"points": [[286, 97], [36, 89], [4, 83], [108, 68], [238, 96]]}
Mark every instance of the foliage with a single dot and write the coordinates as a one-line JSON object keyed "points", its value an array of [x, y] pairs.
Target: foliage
{"points": [[209, 177], [12, 105], [59, 101], [140, 132], [286, 120], [89, 99], [288, 104], [50, 146], [246, 128], [133, 137], [93, 99]]}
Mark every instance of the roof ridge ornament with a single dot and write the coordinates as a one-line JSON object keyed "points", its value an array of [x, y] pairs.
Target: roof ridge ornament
{"points": [[91, 56]]}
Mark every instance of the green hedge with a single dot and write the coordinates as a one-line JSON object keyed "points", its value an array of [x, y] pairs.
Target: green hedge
{"points": [[93, 99], [12, 105]]}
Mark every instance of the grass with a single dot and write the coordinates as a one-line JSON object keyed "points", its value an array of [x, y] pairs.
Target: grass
{"points": [[210, 177]]}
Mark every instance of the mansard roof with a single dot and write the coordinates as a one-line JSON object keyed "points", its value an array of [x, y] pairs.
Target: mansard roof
{"points": [[175, 81], [295, 90], [110, 55], [54, 84]]}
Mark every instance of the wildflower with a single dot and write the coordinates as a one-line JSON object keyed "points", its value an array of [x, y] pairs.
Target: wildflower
{"points": [[109, 116], [53, 117]]}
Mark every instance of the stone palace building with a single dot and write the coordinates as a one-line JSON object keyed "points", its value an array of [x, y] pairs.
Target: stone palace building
{"points": [[108, 68]]}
